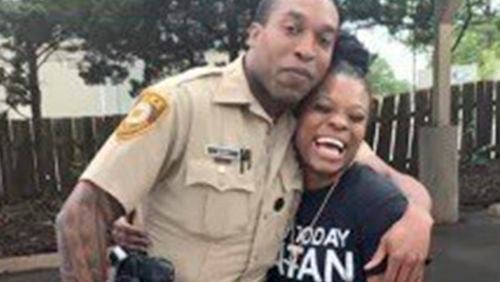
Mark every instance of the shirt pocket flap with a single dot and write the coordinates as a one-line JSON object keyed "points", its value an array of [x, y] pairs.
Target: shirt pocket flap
{"points": [[221, 177]]}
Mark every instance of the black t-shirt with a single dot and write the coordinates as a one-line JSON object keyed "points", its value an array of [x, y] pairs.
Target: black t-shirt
{"points": [[360, 210]]}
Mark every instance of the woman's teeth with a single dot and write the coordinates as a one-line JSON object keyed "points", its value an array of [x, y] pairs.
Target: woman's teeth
{"points": [[330, 142]]}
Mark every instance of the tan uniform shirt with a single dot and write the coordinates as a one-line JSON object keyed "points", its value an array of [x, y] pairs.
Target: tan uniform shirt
{"points": [[215, 218]]}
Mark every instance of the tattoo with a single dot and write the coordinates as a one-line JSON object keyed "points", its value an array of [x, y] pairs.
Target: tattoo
{"points": [[82, 232]]}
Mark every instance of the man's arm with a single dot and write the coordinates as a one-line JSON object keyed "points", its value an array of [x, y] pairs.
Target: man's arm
{"points": [[82, 229], [415, 192], [375, 278], [407, 242]]}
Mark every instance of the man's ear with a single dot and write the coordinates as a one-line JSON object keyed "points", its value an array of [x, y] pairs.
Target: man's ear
{"points": [[254, 31]]}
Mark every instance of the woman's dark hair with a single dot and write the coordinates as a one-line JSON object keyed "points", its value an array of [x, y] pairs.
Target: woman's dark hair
{"points": [[349, 50], [350, 58]]}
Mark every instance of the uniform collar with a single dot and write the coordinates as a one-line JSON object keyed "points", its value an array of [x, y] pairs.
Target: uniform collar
{"points": [[235, 90]]}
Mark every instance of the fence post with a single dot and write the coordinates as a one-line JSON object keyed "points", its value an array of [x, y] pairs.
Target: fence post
{"points": [[438, 142]]}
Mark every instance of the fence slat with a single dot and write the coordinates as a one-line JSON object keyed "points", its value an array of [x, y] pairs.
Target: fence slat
{"points": [[386, 123], [484, 111], [84, 139], [402, 133], [47, 162], [104, 126], [497, 109], [372, 125], [75, 142], [456, 104], [23, 160], [469, 102], [421, 118], [64, 152], [5, 158]]}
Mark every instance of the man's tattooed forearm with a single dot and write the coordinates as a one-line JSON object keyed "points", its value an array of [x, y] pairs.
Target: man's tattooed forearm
{"points": [[82, 233]]}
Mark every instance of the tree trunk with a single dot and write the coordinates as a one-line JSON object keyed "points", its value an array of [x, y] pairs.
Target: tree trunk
{"points": [[232, 28], [36, 115], [149, 74]]}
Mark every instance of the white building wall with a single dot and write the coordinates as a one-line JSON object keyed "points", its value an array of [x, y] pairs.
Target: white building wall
{"points": [[64, 94], [460, 74]]}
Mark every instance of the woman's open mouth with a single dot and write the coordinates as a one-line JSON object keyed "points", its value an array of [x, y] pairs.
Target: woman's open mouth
{"points": [[330, 147]]}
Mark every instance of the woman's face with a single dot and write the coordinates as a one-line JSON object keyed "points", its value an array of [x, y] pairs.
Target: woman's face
{"points": [[332, 125]]}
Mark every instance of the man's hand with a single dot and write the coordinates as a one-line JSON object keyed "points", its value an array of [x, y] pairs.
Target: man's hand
{"points": [[126, 235], [406, 245]]}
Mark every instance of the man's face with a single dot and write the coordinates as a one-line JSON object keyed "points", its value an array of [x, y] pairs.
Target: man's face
{"points": [[290, 54]]}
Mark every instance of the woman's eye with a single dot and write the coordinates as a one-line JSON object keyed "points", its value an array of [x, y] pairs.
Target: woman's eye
{"points": [[357, 118], [322, 108]]}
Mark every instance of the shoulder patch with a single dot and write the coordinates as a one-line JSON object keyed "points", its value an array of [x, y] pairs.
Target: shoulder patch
{"points": [[143, 115]]}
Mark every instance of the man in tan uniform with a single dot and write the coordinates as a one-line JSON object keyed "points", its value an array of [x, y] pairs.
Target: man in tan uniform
{"points": [[207, 154]]}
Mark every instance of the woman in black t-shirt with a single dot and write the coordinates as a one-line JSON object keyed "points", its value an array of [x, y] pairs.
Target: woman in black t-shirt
{"points": [[341, 217]]}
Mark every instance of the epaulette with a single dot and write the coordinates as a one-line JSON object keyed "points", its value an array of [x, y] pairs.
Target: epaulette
{"points": [[192, 74]]}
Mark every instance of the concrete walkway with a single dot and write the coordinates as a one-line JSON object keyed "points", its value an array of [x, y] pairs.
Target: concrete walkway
{"points": [[468, 251], [465, 252]]}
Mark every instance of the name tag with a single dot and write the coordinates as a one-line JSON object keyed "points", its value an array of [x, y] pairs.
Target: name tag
{"points": [[224, 153]]}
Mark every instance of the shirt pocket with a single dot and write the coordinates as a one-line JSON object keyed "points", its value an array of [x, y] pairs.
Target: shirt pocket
{"points": [[226, 197]]}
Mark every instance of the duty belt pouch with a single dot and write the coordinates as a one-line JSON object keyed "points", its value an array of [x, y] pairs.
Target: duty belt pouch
{"points": [[137, 266]]}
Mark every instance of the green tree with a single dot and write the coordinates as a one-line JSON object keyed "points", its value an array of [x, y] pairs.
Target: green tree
{"points": [[166, 36], [30, 32], [170, 35], [383, 81], [480, 44]]}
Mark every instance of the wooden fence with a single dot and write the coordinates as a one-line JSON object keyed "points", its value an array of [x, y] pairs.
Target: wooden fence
{"points": [[69, 144], [393, 132]]}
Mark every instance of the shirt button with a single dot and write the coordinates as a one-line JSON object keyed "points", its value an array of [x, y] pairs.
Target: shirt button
{"points": [[221, 169], [279, 204]]}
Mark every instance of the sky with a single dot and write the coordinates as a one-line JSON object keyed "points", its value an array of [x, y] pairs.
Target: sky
{"points": [[399, 57]]}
